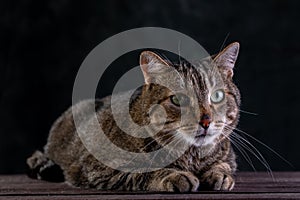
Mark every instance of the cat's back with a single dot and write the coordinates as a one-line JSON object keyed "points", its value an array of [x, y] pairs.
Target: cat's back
{"points": [[64, 146]]}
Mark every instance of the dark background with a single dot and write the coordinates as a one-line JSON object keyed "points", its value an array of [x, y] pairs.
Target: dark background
{"points": [[42, 45]]}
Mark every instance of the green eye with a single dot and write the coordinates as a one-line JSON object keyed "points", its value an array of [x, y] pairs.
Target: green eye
{"points": [[180, 100], [217, 96]]}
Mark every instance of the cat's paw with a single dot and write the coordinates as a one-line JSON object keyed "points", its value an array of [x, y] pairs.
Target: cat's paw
{"points": [[218, 181], [36, 160], [180, 182]]}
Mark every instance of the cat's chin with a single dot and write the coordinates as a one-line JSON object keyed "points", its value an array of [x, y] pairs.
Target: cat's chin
{"points": [[204, 140], [199, 140]]}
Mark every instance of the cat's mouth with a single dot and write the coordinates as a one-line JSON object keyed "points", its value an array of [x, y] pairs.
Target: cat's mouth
{"points": [[200, 136], [203, 137], [201, 133]]}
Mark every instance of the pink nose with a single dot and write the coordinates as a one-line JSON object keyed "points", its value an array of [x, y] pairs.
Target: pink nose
{"points": [[205, 121]]}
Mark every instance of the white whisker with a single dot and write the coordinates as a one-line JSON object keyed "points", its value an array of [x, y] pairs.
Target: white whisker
{"points": [[247, 112], [258, 155], [266, 146], [241, 150], [251, 148], [175, 138]]}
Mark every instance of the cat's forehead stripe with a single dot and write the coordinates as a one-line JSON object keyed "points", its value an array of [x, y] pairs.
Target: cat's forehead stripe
{"points": [[196, 78], [206, 71]]}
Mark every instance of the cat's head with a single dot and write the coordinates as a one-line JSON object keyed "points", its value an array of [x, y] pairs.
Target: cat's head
{"points": [[200, 101]]}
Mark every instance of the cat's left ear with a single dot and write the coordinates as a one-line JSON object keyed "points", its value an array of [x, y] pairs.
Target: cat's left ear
{"points": [[226, 59], [152, 65]]}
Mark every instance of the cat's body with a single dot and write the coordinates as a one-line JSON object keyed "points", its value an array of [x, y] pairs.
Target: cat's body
{"points": [[209, 160]]}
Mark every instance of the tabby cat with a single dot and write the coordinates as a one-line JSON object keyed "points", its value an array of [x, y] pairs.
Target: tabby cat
{"points": [[207, 163]]}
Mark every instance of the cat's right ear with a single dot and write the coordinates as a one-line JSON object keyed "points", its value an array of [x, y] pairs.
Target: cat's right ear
{"points": [[152, 65]]}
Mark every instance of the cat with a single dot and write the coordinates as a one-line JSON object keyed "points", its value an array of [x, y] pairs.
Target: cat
{"points": [[208, 162]]}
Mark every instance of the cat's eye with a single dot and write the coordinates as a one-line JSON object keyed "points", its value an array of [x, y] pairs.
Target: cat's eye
{"points": [[217, 96], [180, 100]]}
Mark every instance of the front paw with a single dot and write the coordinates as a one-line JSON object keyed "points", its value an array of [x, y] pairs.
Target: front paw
{"points": [[218, 181], [181, 182], [177, 181]]}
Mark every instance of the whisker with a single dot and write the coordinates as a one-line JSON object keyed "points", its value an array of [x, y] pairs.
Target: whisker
{"points": [[151, 161], [252, 149], [241, 150], [176, 139], [179, 56], [154, 140], [247, 112], [266, 146], [260, 157], [214, 70], [173, 136], [224, 41], [248, 148], [244, 153]]}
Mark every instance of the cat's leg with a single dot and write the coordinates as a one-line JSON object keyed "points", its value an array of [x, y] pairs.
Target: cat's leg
{"points": [[218, 177], [172, 180], [41, 167], [168, 180]]}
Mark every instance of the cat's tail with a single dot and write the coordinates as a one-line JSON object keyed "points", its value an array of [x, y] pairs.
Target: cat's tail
{"points": [[41, 167]]}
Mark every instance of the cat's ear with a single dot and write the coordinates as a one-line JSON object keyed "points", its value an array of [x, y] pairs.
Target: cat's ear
{"points": [[152, 65], [226, 59]]}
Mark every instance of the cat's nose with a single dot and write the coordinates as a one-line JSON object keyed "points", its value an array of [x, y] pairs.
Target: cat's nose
{"points": [[205, 121]]}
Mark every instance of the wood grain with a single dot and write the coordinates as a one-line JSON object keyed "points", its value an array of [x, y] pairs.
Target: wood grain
{"points": [[249, 185]]}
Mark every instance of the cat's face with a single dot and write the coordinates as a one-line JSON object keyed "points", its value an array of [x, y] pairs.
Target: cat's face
{"points": [[201, 102]]}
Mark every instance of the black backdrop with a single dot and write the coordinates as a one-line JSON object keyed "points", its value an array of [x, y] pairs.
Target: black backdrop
{"points": [[43, 43]]}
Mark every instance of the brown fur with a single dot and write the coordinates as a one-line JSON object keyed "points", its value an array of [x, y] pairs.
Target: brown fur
{"points": [[211, 165]]}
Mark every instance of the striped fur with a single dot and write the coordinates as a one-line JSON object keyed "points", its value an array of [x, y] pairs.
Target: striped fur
{"points": [[209, 162]]}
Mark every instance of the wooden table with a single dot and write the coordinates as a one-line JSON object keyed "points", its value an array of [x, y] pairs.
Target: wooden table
{"points": [[249, 185]]}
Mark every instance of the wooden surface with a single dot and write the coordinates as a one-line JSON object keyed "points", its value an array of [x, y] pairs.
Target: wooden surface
{"points": [[249, 185]]}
